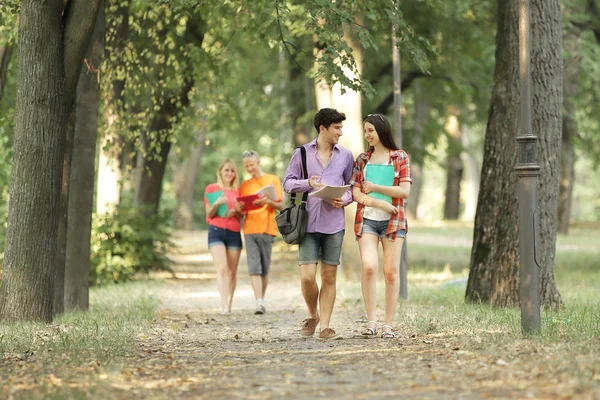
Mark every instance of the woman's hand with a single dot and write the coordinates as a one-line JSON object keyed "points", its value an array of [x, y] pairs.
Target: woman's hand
{"points": [[230, 213], [239, 207], [220, 200], [385, 206], [368, 187]]}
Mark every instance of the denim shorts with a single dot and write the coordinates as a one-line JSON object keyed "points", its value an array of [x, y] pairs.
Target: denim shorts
{"points": [[323, 246], [379, 228], [224, 237]]}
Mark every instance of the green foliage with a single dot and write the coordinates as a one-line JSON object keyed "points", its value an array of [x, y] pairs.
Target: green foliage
{"points": [[9, 11], [125, 243], [461, 63], [329, 22]]}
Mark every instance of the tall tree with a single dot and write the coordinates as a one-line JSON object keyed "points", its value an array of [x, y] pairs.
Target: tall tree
{"points": [[81, 177], [186, 167], [493, 277], [569, 133], [168, 101], [547, 81], [5, 55], [111, 164], [52, 44], [421, 115], [454, 166]]}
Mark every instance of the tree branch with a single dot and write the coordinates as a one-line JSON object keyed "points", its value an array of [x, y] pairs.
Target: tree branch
{"points": [[5, 55], [404, 84], [79, 18], [285, 43]]}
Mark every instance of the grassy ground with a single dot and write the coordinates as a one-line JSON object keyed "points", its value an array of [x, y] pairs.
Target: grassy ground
{"points": [[112, 351], [577, 274], [48, 361]]}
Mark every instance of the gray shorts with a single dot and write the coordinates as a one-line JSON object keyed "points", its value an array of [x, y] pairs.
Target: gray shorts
{"points": [[258, 253], [326, 247]]}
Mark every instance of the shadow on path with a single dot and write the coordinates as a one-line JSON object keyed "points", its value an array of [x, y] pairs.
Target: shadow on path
{"points": [[193, 352]]}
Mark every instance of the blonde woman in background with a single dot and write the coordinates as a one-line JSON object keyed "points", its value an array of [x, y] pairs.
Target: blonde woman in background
{"points": [[224, 238]]}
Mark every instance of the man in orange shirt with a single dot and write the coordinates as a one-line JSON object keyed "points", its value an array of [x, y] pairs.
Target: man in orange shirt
{"points": [[260, 228]]}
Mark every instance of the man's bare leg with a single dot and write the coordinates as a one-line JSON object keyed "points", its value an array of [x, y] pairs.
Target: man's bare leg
{"points": [[327, 294], [310, 289]]}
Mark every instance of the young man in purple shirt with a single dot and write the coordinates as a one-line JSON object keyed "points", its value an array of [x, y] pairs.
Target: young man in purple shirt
{"points": [[328, 164]]}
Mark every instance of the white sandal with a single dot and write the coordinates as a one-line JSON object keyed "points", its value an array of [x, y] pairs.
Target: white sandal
{"points": [[387, 334], [369, 331]]}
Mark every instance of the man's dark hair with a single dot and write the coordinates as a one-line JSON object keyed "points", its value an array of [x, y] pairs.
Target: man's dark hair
{"points": [[328, 116]]}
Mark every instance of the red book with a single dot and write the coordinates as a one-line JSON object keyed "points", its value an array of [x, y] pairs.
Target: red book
{"points": [[249, 202]]}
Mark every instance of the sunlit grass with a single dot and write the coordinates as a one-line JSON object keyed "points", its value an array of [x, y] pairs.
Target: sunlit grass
{"points": [[117, 314], [437, 281]]}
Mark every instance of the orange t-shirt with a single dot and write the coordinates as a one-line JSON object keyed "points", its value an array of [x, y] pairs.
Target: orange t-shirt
{"points": [[231, 223], [261, 220]]}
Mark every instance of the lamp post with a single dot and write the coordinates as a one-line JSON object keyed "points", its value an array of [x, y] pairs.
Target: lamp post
{"points": [[527, 170], [398, 139]]}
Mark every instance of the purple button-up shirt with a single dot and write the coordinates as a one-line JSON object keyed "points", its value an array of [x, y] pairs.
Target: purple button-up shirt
{"points": [[322, 216]]}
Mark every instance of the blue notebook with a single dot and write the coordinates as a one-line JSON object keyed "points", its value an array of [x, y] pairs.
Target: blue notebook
{"points": [[380, 174], [212, 197]]}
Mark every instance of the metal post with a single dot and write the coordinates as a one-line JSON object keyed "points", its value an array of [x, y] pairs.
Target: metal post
{"points": [[398, 136], [403, 270], [527, 171]]}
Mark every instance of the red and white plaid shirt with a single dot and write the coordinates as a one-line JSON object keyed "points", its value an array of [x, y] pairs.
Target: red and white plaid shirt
{"points": [[401, 164]]}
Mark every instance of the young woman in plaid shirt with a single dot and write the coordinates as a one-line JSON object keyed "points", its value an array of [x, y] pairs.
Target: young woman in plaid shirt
{"points": [[380, 220]]}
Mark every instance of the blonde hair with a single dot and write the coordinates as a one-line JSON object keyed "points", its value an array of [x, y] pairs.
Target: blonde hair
{"points": [[235, 183]]}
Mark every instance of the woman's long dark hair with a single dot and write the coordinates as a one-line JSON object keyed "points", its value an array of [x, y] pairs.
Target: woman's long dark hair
{"points": [[384, 130]]}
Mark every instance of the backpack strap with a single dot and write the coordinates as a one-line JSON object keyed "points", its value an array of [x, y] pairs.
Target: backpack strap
{"points": [[304, 175]]}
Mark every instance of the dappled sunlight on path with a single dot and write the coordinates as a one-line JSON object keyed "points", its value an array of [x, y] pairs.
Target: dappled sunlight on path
{"points": [[193, 352]]}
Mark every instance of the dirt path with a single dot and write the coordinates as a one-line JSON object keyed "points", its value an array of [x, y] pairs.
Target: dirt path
{"points": [[193, 352]]}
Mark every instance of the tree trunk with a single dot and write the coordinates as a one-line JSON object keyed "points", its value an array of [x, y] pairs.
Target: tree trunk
{"points": [[472, 174], [5, 55], [547, 81], [152, 166], [27, 286], [569, 133], [110, 163], [421, 116], [61, 235], [81, 193], [52, 43], [185, 175], [148, 188], [494, 277], [567, 170], [454, 168]]}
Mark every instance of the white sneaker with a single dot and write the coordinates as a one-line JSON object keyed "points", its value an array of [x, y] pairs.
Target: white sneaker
{"points": [[260, 309]]}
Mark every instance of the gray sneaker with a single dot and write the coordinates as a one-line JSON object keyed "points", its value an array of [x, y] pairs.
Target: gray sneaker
{"points": [[260, 309]]}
